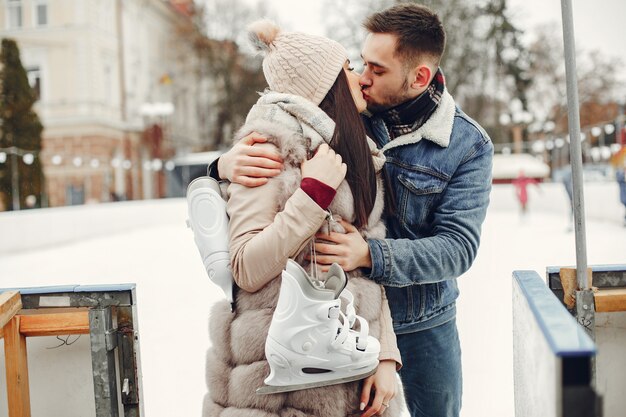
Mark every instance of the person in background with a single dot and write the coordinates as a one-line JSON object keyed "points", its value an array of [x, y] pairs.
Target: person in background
{"points": [[566, 179], [521, 190], [620, 175]]}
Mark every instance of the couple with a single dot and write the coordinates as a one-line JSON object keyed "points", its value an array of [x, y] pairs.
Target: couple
{"points": [[304, 152]]}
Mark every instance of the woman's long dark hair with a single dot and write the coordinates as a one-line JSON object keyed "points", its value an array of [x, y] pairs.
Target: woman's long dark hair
{"points": [[349, 141]]}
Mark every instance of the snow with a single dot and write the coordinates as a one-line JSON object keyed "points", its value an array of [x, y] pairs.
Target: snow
{"points": [[175, 296]]}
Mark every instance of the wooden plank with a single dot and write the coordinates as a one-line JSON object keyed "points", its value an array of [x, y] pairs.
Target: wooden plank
{"points": [[610, 300], [570, 285], [10, 304], [16, 369], [54, 323]]}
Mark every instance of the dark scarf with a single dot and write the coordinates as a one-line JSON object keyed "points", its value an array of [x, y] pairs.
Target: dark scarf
{"points": [[411, 115]]}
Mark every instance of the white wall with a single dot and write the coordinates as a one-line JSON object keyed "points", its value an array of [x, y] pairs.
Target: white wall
{"points": [[611, 362], [538, 391]]}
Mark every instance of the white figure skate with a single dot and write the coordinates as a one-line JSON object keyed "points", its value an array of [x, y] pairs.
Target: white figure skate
{"points": [[209, 222], [310, 343]]}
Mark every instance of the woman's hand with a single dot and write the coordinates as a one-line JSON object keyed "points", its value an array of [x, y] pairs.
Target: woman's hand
{"points": [[325, 166], [384, 382]]}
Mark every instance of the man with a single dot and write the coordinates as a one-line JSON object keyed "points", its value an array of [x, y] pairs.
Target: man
{"points": [[439, 172]]}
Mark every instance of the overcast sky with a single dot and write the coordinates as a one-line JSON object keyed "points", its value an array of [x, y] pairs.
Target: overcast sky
{"points": [[599, 24]]}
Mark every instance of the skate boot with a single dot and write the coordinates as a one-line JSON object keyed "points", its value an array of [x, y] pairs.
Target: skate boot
{"points": [[310, 341], [209, 222]]}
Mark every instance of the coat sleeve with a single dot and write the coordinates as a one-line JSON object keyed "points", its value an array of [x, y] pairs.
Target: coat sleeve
{"points": [[452, 245], [263, 238], [388, 344]]}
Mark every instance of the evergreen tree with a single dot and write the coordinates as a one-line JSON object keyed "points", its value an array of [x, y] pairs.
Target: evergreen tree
{"points": [[20, 128]]}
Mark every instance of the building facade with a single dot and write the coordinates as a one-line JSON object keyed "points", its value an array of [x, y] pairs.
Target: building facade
{"points": [[120, 92]]}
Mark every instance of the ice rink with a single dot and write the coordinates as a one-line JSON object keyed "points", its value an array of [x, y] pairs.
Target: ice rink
{"points": [[147, 243]]}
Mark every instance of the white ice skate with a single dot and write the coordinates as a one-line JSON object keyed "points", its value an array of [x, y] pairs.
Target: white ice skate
{"points": [[310, 342], [209, 222]]}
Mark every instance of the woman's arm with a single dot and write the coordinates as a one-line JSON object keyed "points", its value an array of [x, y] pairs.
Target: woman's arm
{"points": [[384, 380], [261, 237]]}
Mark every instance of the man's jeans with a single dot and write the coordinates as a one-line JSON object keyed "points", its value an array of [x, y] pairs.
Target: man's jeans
{"points": [[431, 371]]}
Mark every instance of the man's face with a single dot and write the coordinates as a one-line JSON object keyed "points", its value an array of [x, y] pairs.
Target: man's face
{"points": [[385, 79]]}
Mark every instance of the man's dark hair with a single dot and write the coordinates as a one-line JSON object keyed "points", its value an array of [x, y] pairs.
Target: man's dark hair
{"points": [[418, 29]]}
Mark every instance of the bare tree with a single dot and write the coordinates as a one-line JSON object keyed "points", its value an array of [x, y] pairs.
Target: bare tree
{"points": [[234, 74], [599, 80]]}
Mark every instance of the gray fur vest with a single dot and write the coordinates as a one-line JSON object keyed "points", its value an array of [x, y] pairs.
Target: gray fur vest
{"points": [[236, 364]]}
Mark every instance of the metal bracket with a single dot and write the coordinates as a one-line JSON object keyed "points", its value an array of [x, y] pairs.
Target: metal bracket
{"points": [[110, 338]]}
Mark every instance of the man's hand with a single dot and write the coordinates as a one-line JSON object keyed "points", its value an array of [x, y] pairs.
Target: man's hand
{"points": [[250, 165], [384, 383], [348, 249]]}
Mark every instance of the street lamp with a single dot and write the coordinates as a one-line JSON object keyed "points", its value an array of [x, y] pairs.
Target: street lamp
{"points": [[28, 157], [538, 146], [596, 131], [157, 164]]}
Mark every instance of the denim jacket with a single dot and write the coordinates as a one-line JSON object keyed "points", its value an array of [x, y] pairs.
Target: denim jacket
{"points": [[441, 177]]}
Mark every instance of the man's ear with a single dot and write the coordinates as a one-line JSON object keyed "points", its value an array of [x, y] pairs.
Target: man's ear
{"points": [[422, 75]]}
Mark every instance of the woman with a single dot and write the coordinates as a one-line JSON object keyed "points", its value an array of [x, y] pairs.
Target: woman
{"points": [[313, 101]]}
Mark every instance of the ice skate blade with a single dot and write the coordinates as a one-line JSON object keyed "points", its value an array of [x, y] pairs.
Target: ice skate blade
{"points": [[272, 389]]}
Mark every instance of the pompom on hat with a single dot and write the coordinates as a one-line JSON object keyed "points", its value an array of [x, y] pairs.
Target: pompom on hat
{"points": [[297, 63]]}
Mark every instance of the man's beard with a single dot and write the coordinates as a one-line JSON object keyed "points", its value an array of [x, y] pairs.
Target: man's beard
{"points": [[390, 100]]}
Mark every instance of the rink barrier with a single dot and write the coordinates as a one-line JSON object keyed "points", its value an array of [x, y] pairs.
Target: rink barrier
{"points": [[107, 313], [552, 355], [606, 322], [609, 278]]}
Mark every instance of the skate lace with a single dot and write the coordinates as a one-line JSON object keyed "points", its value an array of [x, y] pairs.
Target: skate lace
{"points": [[344, 330], [313, 264], [350, 311]]}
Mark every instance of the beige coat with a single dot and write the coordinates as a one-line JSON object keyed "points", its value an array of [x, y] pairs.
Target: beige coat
{"points": [[268, 225]]}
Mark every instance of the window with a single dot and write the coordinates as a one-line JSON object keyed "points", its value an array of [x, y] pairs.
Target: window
{"points": [[108, 83], [14, 13], [34, 79], [41, 12], [74, 194]]}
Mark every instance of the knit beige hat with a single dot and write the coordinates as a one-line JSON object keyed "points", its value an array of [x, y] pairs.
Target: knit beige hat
{"points": [[297, 63]]}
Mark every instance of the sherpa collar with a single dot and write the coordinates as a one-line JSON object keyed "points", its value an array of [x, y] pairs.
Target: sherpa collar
{"points": [[437, 128]]}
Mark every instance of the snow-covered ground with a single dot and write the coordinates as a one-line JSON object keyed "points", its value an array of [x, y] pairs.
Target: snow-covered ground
{"points": [[175, 296]]}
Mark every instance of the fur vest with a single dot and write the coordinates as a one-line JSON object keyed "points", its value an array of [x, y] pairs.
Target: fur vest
{"points": [[236, 364]]}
